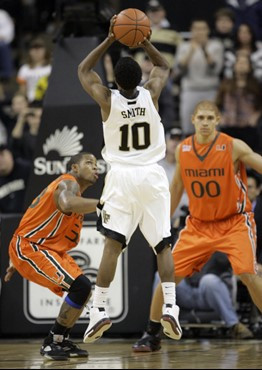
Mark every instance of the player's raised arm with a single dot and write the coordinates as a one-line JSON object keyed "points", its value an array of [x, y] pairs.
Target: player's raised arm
{"points": [[177, 186], [89, 79], [243, 153], [68, 200], [160, 72]]}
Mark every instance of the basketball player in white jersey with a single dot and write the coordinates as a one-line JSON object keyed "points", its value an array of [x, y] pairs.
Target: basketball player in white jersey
{"points": [[136, 188]]}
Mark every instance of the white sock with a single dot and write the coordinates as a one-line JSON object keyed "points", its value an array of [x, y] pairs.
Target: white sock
{"points": [[169, 293], [100, 296]]}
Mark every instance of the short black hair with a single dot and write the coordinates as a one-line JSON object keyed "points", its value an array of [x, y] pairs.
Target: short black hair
{"points": [[76, 159], [128, 73]]}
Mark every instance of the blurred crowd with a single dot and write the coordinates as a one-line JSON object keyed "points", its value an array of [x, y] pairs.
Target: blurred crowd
{"points": [[220, 62]]}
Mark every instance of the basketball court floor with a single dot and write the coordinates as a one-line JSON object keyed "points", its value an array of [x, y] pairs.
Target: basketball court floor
{"points": [[117, 354]]}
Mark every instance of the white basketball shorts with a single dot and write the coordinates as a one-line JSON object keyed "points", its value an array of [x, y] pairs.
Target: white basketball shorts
{"points": [[132, 196]]}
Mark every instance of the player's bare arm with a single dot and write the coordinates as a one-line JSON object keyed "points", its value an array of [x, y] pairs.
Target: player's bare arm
{"points": [[159, 74], [90, 80], [177, 186], [242, 152], [69, 201]]}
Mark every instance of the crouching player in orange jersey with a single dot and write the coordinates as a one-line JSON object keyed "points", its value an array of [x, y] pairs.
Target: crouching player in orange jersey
{"points": [[211, 168], [38, 250]]}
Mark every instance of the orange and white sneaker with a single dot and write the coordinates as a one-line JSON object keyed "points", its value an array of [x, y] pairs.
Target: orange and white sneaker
{"points": [[99, 322], [170, 322]]}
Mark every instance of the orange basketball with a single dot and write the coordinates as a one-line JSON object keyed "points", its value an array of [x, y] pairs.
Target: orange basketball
{"points": [[131, 26]]}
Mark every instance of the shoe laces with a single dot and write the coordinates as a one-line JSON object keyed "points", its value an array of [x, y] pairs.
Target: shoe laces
{"points": [[69, 344]]}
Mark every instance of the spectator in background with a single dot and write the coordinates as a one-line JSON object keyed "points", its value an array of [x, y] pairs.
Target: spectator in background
{"points": [[24, 134], [254, 192], [246, 44], [240, 102], [3, 134], [163, 37], [213, 289], [224, 28], [9, 117], [7, 33], [37, 66], [248, 11], [199, 61], [41, 89], [255, 196], [14, 174]]}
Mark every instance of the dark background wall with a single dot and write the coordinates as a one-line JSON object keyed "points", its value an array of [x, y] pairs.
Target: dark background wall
{"points": [[181, 12]]}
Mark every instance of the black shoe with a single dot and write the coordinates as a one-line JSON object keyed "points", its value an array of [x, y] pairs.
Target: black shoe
{"points": [[54, 351], [73, 350], [148, 343]]}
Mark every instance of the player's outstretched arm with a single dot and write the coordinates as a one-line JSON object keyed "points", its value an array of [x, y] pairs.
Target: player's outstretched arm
{"points": [[177, 186], [160, 72], [89, 79], [243, 153], [68, 200]]}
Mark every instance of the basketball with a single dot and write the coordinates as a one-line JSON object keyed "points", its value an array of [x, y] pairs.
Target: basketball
{"points": [[131, 26]]}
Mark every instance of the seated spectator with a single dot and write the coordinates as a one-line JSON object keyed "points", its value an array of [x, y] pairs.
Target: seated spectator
{"points": [[24, 134], [240, 102], [163, 37], [245, 43], [254, 192], [200, 62], [14, 174], [211, 289], [38, 65]]}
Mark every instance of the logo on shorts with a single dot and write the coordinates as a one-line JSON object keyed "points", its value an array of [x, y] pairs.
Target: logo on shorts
{"points": [[106, 217], [58, 277]]}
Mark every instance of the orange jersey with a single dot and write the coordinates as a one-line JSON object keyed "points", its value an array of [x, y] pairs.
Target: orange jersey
{"points": [[43, 224], [215, 191]]}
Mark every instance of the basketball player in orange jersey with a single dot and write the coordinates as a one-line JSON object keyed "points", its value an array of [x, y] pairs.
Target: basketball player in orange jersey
{"points": [[38, 250], [211, 168], [136, 191]]}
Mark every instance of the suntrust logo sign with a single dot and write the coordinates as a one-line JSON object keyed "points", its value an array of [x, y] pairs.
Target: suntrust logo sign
{"points": [[63, 143]]}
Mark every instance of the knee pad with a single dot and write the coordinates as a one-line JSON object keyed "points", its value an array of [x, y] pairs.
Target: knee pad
{"points": [[79, 292]]}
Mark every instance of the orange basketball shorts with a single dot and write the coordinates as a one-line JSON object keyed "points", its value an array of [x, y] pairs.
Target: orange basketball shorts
{"points": [[234, 236], [43, 266]]}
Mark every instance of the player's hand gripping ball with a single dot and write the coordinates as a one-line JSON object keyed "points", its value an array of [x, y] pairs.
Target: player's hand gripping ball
{"points": [[131, 27]]}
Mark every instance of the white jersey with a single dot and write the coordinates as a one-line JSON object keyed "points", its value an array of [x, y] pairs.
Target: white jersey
{"points": [[133, 132]]}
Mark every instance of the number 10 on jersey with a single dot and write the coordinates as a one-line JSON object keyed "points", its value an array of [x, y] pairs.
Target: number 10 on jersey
{"points": [[140, 136]]}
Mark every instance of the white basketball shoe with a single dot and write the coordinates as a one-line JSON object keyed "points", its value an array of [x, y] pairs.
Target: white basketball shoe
{"points": [[99, 322], [170, 322]]}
